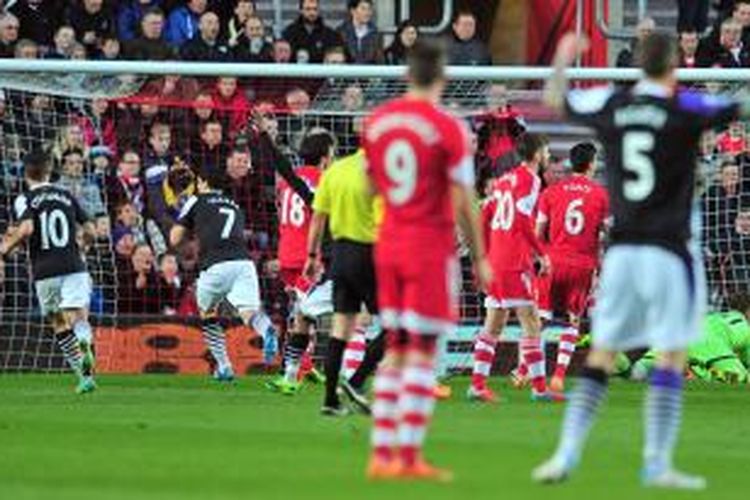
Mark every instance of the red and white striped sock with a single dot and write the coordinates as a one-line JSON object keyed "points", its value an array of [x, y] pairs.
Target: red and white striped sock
{"points": [[415, 406], [521, 370], [354, 353], [386, 388], [484, 356], [533, 357], [565, 349]]}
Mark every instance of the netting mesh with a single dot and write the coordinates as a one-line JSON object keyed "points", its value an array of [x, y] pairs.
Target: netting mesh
{"points": [[115, 140]]}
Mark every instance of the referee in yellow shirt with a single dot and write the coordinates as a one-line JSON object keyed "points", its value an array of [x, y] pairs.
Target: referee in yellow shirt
{"points": [[344, 202]]}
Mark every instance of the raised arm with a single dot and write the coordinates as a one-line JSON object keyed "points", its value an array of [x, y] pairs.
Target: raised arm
{"points": [[280, 163], [15, 236], [569, 47]]}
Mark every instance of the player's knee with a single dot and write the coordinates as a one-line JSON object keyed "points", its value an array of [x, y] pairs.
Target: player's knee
{"points": [[602, 360]]}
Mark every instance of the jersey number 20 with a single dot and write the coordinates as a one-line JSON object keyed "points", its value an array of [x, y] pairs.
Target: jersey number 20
{"points": [[55, 229]]}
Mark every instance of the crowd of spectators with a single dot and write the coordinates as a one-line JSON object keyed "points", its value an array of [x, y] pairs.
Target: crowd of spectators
{"points": [[211, 30], [724, 44]]}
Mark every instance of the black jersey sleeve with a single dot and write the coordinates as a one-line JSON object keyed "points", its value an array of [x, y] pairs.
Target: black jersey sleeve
{"points": [[187, 214], [588, 106], [284, 167], [708, 111]]}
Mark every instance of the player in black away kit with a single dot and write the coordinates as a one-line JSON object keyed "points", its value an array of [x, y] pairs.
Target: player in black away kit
{"points": [[652, 287], [48, 217], [226, 269]]}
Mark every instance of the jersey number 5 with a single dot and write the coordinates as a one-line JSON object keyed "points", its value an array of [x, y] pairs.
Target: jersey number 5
{"points": [[401, 169], [636, 147], [231, 215], [55, 229]]}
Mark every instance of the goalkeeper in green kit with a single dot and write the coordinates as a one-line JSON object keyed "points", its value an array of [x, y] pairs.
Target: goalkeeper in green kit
{"points": [[723, 354]]}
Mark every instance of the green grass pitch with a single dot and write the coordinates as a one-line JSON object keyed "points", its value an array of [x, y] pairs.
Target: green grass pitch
{"points": [[169, 437]]}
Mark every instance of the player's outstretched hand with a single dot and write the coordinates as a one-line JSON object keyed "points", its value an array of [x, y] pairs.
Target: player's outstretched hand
{"points": [[484, 274]]}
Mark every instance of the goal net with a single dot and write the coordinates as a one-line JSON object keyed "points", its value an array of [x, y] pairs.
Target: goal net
{"points": [[116, 138]]}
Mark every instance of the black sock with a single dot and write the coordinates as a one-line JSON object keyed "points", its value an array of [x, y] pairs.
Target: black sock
{"points": [[373, 355], [334, 358]]}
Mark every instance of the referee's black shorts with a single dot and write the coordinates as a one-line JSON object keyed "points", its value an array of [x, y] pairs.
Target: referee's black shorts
{"points": [[353, 274]]}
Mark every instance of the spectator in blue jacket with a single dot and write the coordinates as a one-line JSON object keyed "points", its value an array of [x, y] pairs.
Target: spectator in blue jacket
{"points": [[130, 15], [183, 23], [464, 47], [360, 35]]}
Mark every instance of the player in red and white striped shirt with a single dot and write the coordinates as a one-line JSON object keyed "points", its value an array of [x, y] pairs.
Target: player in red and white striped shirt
{"points": [[509, 218], [572, 215]]}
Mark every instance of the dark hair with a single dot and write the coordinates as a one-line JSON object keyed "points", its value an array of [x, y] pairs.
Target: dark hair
{"points": [[426, 61], [214, 177], [211, 121], [353, 4], [36, 165], [657, 54], [302, 3], [581, 156], [71, 152], [152, 11], [530, 144], [396, 52], [463, 12], [315, 147]]}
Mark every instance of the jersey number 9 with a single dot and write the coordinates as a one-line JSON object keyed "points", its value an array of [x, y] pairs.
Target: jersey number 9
{"points": [[401, 169]]}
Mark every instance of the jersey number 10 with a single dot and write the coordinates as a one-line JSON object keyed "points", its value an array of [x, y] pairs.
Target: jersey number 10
{"points": [[55, 229]]}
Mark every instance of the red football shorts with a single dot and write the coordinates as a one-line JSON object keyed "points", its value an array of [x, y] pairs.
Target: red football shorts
{"points": [[565, 290], [418, 293], [511, 289]]}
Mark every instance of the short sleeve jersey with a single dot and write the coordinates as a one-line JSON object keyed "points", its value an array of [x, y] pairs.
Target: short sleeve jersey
{"points": [[415, 152], [575, 210], [650, 137], [509, 218], [56, 215], [294, 219], [219, 223]]}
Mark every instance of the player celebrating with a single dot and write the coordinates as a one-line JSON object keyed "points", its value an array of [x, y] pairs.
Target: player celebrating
{"points": [[509, 221], [651, 289], [419, 159], [48, 216], [572, 214], [311, 300], [226, 270]]}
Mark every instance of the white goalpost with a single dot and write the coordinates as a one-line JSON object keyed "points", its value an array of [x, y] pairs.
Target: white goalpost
{"points": [[115, 113]]}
